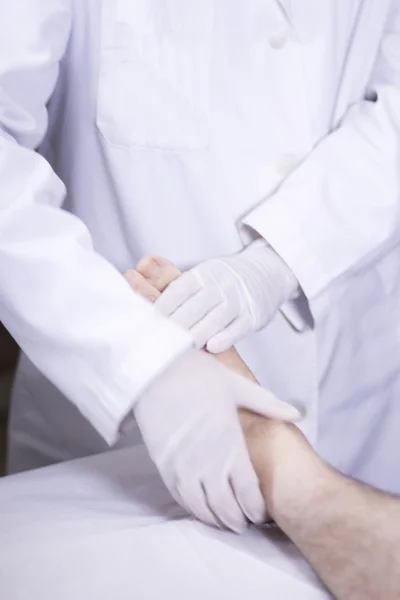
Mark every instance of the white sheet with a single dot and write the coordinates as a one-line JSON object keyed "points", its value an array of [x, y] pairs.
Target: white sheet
{"points": [[105, 528]]}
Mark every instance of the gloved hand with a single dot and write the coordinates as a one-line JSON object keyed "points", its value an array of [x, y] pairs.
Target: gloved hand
{"points": [[222, 300], [189, 422]]}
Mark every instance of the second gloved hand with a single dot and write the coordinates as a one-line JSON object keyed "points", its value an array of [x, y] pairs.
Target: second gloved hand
{"points": [[223, 300], [189, 422]]}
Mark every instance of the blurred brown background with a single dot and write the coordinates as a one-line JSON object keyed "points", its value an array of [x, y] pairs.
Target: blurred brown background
{"points": [[8, 358]]}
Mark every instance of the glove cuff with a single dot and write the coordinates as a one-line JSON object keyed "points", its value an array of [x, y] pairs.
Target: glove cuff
{"points": [[266, 280]]}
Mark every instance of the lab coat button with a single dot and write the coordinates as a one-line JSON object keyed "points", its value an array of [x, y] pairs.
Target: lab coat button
{"points": [[287, 164], [277, 39]]}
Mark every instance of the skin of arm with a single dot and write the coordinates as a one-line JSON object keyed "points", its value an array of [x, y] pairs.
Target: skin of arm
{"points": [[349, 532]]}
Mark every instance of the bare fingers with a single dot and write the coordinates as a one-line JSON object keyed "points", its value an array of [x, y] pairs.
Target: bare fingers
{"points": [[158, 271], [140, 285]]}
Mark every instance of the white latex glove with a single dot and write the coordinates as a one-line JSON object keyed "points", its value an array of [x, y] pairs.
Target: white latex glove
{"points": [[223, 300], [189, 422]]}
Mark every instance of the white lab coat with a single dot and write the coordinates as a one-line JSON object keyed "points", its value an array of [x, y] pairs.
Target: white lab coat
{"points": [[179, 128]]}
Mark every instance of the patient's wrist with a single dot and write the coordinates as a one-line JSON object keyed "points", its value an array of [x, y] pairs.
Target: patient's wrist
{"points": [[232, 360]]}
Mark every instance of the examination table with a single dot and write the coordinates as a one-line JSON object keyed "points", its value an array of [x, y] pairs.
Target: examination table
{"points": [[105, 528]]}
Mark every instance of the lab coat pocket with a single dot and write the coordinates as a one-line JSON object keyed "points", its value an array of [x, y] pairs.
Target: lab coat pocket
{"points": [[154, 79]]}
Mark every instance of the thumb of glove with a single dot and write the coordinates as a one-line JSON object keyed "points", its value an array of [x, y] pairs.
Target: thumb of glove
{"points": [[263, 402]]}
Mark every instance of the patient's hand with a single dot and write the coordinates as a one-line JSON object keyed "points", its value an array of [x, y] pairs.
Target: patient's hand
{"points": [[270, 443], [151, 276]]}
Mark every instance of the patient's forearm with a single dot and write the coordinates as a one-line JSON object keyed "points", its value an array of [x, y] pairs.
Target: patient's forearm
{"points": [[349, 532], [351, 536]]}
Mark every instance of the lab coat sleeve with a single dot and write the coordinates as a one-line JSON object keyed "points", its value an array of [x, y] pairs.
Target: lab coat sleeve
{"points": [[71, 312], [340, 209]]}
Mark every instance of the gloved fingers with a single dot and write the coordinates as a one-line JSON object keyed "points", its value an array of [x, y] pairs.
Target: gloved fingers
{"points": [[159, 271], [246, 488], [197, 308], [265, 403], [172, 483], [229, 336], [174, 491], [194, 500], [223, 503], [178, 292], [140, 285], [216, 321]]}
